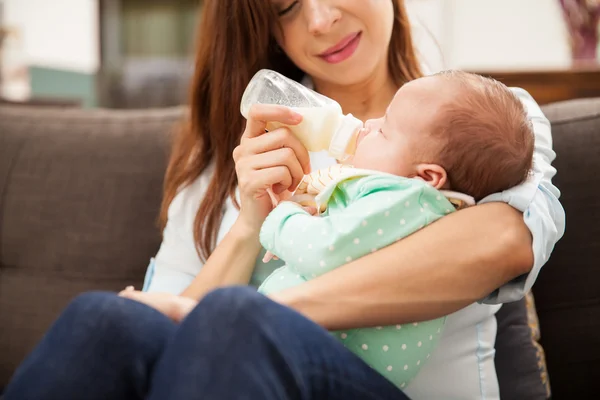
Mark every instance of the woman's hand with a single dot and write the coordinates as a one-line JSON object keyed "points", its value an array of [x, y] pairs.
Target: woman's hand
{"points": [[274, 160], [174, 307]]}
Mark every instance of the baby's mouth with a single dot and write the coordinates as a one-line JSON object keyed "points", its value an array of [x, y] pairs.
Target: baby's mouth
{"points": [[361, 135]]}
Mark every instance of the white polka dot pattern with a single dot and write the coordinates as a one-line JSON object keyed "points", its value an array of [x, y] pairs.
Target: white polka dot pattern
{"points": [[364, 215]]}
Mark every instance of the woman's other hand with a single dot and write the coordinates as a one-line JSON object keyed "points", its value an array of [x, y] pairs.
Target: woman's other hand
{"points": [[174, 307], [274, 160]]}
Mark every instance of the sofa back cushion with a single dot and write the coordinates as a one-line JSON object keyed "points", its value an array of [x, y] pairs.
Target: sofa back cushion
{"points": [[79, 198], [567, 292]]}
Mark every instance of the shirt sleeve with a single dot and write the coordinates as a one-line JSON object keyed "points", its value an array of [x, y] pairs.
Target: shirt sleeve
{"points": [[380, 212], [537, 198]]}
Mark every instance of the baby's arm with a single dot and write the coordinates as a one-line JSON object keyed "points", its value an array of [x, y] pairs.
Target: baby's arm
{"points": [[384, 210], [269, 255]]}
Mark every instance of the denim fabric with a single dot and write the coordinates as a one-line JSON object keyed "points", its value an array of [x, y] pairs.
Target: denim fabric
{"points": [[236, 344]]}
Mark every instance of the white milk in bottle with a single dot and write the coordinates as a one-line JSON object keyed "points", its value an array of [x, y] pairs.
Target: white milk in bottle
{"points": [[323, 127]]}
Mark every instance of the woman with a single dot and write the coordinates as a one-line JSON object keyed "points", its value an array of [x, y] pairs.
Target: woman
{"points": [[237, 344]]}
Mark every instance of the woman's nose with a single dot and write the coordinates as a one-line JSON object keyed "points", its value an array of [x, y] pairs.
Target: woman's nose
{"points": [[321, 16]]}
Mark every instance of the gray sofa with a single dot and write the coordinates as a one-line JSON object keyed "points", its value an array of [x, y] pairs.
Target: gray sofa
{"points": [[80, 192]]}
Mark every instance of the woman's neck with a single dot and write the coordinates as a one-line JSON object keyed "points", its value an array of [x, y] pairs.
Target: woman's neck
{"points": [[365, 100]]}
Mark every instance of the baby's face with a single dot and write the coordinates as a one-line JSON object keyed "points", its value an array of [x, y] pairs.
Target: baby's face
{"points": [[399, 141]]}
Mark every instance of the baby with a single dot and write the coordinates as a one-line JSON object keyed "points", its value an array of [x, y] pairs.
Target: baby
{"points": [[446, 141]]}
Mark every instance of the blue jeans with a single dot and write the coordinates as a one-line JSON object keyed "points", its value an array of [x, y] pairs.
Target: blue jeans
{"points": [[236, 344]]}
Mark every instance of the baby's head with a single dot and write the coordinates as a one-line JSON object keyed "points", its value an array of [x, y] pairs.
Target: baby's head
{"points": [[455, 130]]}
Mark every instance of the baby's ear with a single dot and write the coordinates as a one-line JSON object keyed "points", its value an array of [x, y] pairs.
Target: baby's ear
{"points": [[433, 174]]}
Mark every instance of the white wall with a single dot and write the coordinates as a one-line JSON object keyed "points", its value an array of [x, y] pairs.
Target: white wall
{"points": [[430, 31], [486, 35], [470, 34], [60, 34]]}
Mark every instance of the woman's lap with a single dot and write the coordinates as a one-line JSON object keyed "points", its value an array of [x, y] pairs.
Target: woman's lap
{"points": [[262, 350], [102, 346], [235, 344]]}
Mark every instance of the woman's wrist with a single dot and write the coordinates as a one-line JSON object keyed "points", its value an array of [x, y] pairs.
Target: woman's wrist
{"points": [[244, 231], [231, 262], [182, 307]]}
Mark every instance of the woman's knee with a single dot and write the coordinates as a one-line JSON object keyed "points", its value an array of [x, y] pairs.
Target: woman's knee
{"points": [[232, 305], [88, 305], [104, 314], [232, 299]]}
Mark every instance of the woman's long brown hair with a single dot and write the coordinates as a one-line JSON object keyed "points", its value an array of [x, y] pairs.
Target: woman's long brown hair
{"points": [[235, 39]]}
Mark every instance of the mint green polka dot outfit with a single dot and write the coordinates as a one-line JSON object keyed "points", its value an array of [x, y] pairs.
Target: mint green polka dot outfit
{"points": [[365, 211]]}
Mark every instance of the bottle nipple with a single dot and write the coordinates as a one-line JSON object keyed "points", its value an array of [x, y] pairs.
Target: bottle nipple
{"points": [[343, 142]]}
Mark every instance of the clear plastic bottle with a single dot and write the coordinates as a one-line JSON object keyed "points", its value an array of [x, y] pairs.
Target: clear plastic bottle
{"points": [[324, 126]]}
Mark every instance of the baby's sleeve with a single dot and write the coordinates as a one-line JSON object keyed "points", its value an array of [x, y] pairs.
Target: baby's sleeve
{"points": [[380, 210]]}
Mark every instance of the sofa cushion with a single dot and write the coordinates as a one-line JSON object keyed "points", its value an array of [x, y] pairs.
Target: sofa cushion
{"points": [[80, 194], [520, 361], [567, 291]]}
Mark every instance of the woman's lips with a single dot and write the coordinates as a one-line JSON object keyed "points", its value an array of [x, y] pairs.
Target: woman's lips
{"points": [[343, 50]]}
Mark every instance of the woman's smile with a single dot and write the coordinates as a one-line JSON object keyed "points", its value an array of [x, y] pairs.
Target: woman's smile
{"points": [[343, 50]]}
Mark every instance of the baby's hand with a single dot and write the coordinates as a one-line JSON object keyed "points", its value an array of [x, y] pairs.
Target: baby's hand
{"points": [[174, 307], [269, 256], [310, 209]]}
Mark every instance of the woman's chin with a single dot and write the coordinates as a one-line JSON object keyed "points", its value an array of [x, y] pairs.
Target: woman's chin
{"points": [[353, 71], [345, 74]]}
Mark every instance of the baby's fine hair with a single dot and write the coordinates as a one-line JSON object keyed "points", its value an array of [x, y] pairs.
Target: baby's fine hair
{"points": [[487, 138]]}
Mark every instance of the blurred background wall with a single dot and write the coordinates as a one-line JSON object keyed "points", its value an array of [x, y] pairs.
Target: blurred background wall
{"points": [[491, 35], [137, 53], [58, 41]]}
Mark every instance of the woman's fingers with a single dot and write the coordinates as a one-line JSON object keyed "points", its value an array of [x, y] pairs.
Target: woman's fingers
{"points": [[268, 162], [278, 177], [281, 157], [260, 114], [256, 182], [133, 294], [174, 307], [277, 139]]}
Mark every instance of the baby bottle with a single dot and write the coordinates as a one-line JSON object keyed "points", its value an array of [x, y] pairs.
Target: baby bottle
{"points": [[323, 127]]}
